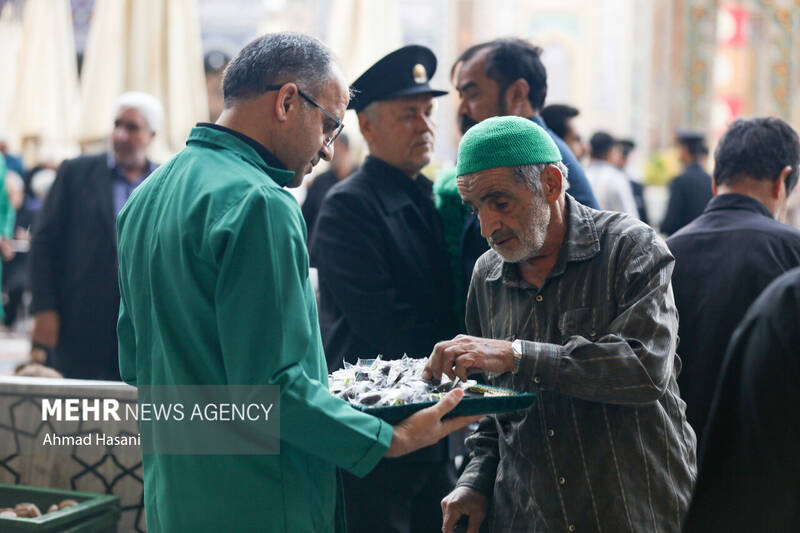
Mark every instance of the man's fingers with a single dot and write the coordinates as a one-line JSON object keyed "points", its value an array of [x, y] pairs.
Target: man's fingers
{"points": [[452, 424], [475, 521], [433, 368], [449, 356], [464, 364], [448, 403], [450, 518]]}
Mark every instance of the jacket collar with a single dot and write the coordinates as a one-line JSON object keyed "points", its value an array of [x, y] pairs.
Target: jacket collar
{"points": [[581, 242], [389, 181], [737, 201], [224, 140]]}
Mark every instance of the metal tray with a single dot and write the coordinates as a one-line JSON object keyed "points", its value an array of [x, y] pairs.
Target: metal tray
{"points": [[469, 405]]}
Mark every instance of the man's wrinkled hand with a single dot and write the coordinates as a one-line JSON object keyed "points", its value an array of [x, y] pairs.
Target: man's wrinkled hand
{"points": [[464, 355], [464, 501], [426, 427]]}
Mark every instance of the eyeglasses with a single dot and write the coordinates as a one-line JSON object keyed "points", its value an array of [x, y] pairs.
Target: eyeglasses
{"points": [[339, 126]]}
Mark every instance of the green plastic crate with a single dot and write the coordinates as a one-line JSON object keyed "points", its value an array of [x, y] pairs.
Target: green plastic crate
{"points": [[95, 513], [466, 407]]}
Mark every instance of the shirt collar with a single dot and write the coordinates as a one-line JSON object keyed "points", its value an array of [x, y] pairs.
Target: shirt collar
{"points": [[581, 242], [538, 120], [224, 139], [269, 158], [737, 201], [112, 165], [392, 179]]}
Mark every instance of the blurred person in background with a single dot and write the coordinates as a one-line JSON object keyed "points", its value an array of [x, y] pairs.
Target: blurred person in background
{"points": [[610, 185], [733, 250], [560, 119], [498, 78], [690, 191], [15, 269], [13, 162], [7, 216], [748, 473], [73, 263], [341, 166], [626, 146]]}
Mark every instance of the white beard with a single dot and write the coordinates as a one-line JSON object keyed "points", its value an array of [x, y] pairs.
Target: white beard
{"points": [[533, 237]]}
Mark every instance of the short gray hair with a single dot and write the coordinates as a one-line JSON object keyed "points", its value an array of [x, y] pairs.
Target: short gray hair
{"points": [[274, 59], [147, 105], [531, 175]]}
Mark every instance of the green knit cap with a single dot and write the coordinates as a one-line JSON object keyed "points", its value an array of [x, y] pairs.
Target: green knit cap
{"points": [[505, 142]]}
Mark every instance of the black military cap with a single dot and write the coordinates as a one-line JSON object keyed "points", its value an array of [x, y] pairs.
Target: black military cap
{"points": [[404, 72], [690, 136], [626, 145], [693, 140]]}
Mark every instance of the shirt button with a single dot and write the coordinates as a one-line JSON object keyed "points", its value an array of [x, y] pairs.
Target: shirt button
{"points": [[537, 379], [550, 433], [571, 527], [539, 298], [561, 481]]}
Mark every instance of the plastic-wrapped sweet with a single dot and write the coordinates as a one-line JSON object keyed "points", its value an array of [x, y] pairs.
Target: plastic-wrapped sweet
{"points": [[377, 383]]}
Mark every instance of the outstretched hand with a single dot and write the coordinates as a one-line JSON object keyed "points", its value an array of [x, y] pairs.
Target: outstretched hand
{"points": [[426, 427]]}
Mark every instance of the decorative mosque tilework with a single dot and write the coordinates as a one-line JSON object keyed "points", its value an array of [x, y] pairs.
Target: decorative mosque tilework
{"points": [[700, 23]]}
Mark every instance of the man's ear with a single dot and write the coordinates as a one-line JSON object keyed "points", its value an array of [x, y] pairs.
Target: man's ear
{"points": [[516, 95], [551, 183], [780, 183], [287, 100], [365, 125]]}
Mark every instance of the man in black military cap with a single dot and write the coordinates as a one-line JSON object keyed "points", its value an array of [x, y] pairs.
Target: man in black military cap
{"points": [[383, 279], [690, 191]]}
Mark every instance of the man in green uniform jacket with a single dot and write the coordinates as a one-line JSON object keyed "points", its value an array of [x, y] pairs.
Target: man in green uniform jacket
{"points": [[215, 291]]}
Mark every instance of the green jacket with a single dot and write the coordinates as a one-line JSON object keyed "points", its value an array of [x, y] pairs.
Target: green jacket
{"points": [[214, 290]]}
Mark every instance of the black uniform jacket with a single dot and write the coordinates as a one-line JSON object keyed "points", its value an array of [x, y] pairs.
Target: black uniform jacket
{"points": [[723, 260], [688, 195], [74, 268], [749, 471], [382, 267]]}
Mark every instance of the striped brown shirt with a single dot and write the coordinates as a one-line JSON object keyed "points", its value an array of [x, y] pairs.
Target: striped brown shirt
{"points": [[606, 447]]}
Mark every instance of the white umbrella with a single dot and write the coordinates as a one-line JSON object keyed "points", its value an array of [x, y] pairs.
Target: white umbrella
{"points": [[44, 109], [360, 33], [363, 31], [152, 46], [11, 37]]}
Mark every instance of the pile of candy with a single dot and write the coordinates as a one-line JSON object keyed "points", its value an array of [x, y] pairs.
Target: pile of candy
{"points": [[374, 382]]}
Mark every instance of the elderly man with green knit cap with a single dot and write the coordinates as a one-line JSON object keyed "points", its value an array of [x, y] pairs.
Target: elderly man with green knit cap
{"points": [[575, 305]]}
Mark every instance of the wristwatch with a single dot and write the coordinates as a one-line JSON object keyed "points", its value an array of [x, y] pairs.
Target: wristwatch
{"points": [[516, 350]]}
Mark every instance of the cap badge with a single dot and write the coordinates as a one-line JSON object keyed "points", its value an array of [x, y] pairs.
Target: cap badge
{"points": [[419, 73]]}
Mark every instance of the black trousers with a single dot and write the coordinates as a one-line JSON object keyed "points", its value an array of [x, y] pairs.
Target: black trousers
{"points": [[398, 497]]}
